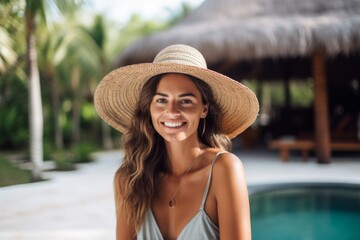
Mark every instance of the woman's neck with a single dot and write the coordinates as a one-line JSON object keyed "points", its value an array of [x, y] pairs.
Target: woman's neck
{"points": [[181, 155]]}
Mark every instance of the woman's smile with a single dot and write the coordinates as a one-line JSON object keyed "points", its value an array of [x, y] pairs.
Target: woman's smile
{"points": [[174, 124]]}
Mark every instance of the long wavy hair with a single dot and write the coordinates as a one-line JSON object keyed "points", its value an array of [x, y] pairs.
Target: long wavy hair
{"points": [[144, 158]]}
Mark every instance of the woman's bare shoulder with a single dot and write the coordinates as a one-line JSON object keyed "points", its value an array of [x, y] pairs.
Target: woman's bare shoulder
{"points": [[223, 158], [228, 169], [227, 159]]}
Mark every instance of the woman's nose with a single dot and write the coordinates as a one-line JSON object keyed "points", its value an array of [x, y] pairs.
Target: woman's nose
{"points": [[172, 109]]}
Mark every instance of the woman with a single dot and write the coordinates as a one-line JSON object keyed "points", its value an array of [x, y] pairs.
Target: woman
{"points": [[177, 179]]}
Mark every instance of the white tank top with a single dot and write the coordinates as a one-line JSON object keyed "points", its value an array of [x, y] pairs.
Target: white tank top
{"points": [[199, 227]]}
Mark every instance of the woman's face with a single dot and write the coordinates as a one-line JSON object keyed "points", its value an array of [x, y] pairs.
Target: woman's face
{"points": [[177, 107]]}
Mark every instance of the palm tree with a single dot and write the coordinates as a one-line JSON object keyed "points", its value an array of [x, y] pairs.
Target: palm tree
{"points": [[35, 104], [32, 9], [8, 23], [8, 56], [98, 32], [53, 54], [49, 48], [81, 61]]}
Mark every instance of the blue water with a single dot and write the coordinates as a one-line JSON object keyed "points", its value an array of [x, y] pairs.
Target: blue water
{"points": [[306, 214]]}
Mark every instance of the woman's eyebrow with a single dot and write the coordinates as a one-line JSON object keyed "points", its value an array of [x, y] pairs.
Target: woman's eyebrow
{"points": [[161, 94], [187, 95], [181, 95]]}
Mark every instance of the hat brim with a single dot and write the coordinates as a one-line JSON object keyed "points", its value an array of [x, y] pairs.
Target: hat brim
{"points": [[118, 92]]}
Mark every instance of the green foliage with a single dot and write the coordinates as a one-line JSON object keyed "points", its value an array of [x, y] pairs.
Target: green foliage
{"points": [[88, 112], [12, 135], [64, 160], [13, 112], [11, 174], [82, 152], [97, 31], [73, 55], [13, 92], [48, 150], [301, 92]]}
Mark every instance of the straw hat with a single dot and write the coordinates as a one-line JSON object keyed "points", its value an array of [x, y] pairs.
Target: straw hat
{"points": [[118, 92]]}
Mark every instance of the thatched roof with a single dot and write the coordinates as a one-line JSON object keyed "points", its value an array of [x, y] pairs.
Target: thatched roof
{"points": [[235, 30]]}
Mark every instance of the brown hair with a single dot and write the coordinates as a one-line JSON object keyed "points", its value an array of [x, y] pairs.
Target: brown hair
{"points": [[145, 156]]}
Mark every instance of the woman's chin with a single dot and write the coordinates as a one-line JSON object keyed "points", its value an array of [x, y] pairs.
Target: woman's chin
{"points": [[175, 137]]}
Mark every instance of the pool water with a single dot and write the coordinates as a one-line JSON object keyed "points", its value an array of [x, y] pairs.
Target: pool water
{"points": [[306, 213]]}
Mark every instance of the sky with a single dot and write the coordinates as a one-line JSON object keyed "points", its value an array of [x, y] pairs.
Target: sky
{"points": [[121, 10]]}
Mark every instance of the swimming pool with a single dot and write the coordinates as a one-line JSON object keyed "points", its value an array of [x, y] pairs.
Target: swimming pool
{"points": [[305, 211]]}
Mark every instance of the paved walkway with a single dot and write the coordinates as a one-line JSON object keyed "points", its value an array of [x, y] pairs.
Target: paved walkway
{"points": [[79, 205]]}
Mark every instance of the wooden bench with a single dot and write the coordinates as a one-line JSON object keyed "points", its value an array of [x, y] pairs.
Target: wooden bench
{"points": [[285, 145]]}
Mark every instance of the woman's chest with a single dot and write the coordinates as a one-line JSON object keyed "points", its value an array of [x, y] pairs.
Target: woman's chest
{"points": [[188, 195]]}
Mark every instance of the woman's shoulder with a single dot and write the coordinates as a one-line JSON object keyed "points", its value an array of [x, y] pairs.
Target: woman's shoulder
{"points": [[223, 161], [226, 164], [222, 157]]}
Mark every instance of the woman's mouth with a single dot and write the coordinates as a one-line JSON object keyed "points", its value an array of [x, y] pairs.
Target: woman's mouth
{"points": [[174, 124]]}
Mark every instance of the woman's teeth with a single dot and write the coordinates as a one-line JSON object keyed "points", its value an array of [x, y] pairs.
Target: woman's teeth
{"points": [[172, 124]]}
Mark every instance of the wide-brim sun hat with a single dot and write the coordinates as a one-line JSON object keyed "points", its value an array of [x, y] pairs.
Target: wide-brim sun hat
{"points": [[118, 92]]}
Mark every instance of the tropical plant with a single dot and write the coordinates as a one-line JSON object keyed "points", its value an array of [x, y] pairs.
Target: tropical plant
{"points": [[98, 32], [8, 56], [65, 55], [69, 58], [12, 76], [35, 8]]}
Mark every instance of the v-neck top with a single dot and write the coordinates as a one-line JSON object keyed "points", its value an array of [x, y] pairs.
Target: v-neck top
{"points": [[199, 227]]}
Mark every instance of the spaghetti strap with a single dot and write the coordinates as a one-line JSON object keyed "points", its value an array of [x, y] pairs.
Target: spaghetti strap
{"points": [[209, 180]]}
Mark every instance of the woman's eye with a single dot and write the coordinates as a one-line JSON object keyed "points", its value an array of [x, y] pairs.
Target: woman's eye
{"points": [[160, 100], [186, 101]]}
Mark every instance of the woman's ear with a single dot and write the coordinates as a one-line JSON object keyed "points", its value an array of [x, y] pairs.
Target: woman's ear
{"points": [[205, 110]]}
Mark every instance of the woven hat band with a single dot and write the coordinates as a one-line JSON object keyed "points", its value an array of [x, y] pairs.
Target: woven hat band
{"points": [[181, 54]]}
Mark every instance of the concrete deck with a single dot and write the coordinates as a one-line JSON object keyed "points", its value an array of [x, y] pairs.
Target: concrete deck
{"points": [[79, 204]]}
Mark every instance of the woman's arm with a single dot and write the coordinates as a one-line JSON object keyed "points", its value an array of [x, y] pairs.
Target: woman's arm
{"points": [[123, 230], [232, 198]]}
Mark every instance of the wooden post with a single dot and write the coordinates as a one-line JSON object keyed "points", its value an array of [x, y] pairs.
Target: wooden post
{"points": [[321, 113]]}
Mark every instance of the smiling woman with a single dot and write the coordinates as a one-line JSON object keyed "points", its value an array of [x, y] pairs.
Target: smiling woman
{"points": [[177, 107], [177, 179]]}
